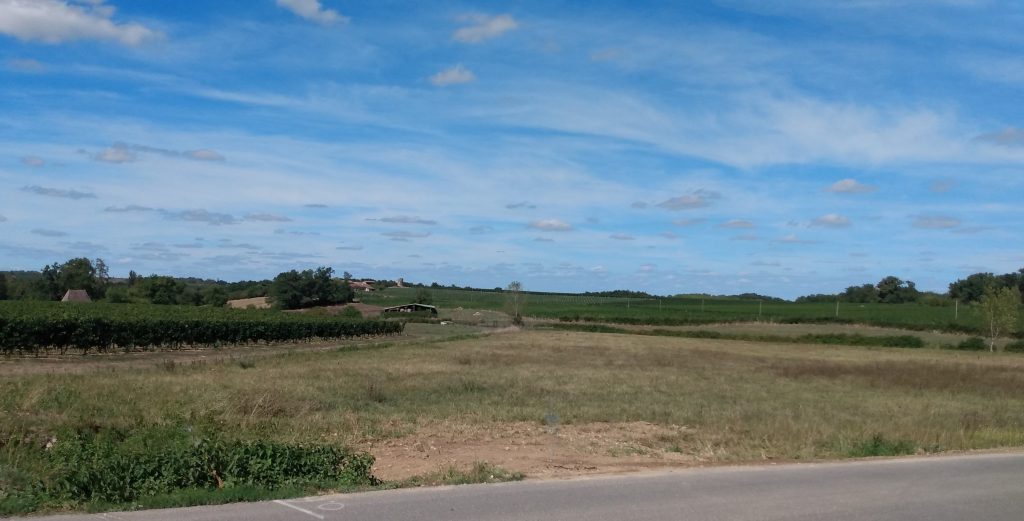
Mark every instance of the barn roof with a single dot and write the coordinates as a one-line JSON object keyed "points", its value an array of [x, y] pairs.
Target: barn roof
{"points": [[76, 295]]}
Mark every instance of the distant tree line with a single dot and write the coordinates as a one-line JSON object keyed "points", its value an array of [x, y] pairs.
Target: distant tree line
{"points": [[893, 290]]}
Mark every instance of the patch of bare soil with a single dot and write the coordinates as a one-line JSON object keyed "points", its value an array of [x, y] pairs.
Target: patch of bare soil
{"points": [[536, 450]]}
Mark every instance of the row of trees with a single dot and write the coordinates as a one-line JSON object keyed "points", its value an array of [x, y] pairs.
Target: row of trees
{"points": [[889, 290], [972, 288]]}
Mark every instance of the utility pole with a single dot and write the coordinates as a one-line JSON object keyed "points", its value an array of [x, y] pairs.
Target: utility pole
{"points": [[759, 310], [837, 308], [956, 309]]}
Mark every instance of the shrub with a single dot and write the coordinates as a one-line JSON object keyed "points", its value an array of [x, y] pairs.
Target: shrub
{"points": [[1015, 347], [879, 446], [975, 343], [116, 466]]}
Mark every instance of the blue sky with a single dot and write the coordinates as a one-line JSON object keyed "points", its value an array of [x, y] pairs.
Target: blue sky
{"points": [[672, 147]]}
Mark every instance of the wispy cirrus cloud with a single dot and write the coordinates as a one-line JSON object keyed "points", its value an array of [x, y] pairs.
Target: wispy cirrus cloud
{"points": [[26, 65], [57, 21], [128, 153], [1008, 137], [58, 192], [484, 27], [521, 205], [621, 237], [45, 232], [935, 222]]}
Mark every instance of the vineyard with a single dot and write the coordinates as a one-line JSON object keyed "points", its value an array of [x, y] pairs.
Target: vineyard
{"points": [[35, 327], [692, 310]]}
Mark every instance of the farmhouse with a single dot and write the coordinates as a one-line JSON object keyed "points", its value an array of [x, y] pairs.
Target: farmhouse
{"points": [[76, 295], [410, 308], [361, 285]]}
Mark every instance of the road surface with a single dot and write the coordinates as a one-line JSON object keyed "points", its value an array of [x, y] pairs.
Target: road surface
{"points": [[986, 487]]}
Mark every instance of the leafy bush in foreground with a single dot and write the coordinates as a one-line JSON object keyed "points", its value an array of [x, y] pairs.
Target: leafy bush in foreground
{"points": [[114, 467]]}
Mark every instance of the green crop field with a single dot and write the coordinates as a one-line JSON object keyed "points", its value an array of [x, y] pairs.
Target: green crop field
{"points": [[39, 326], [697, 310]]}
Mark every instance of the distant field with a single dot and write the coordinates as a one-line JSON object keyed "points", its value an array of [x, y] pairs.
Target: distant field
{"points": [[545, 402], [681, 311]]}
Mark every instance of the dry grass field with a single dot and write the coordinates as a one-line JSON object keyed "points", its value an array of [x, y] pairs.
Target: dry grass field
{"points": [[551, 402]]}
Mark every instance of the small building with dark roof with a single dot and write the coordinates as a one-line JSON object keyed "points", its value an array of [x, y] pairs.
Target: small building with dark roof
{"points": [[410, 308]]}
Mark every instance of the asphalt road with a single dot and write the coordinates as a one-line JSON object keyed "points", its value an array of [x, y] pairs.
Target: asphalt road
{"points": [[986, 487]]}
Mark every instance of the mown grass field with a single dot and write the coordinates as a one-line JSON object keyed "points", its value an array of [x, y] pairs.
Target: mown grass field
{"points": [[684, 310], [732, 401]]}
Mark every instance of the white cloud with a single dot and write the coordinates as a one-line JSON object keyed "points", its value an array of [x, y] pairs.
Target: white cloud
{"points": [[54, 21], [204, 155], [58, 192], [736, 223], [33, 161], [621, 237], [850, 186], [832, 220], [405, 219], [688, 222], [483, 27], [793, 239], [25, 65], [551, 225], [695, 199], [936, 222], [267, 217], [453, 76], [116, 154], [1007, 137], [47, 232], [312, 10]]}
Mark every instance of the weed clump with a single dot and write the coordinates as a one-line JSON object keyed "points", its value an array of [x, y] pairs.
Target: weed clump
{"points": [[879, 446]]}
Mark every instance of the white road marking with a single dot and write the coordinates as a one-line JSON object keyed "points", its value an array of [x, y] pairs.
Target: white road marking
{"points": [[300, 509]]}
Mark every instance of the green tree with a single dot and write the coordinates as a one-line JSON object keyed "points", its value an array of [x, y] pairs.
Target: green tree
{"points": [[1000, 307], [3, 286], [162, 289], [295, 289], [515, 300], [972, 289], [861, 294], [216, 296], [423, 296], [892, 290]]}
